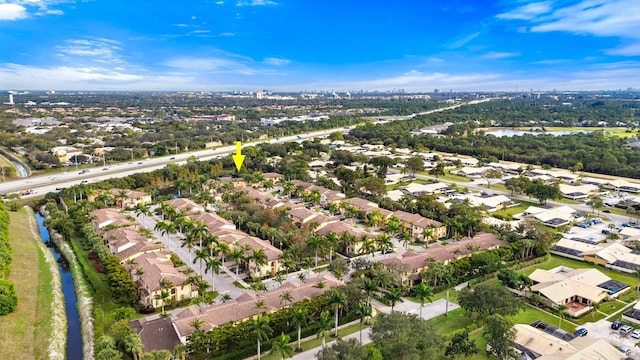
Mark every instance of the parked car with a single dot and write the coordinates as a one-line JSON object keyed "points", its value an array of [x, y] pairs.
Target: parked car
{"points": [[625, 329], [581, 332], [625, 350], [616, 325], [635, 334]]}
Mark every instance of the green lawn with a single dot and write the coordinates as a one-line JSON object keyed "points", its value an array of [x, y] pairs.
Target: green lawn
{"points": [[530, 314], [515, 209], [447, 176], [555, 261], [611, 307], [26, 332]]}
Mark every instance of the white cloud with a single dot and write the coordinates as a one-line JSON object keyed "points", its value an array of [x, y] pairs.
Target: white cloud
{"points": [[499, 55], [619, 18], [527, 12], [256, 3], [626, 50], [20, 9], [12, 12], [460, 41], [276, 61], [237, 65], [219, 2], [98, 49]]}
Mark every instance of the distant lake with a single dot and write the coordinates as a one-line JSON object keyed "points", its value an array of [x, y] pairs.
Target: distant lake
{"points": [[510, 133]]}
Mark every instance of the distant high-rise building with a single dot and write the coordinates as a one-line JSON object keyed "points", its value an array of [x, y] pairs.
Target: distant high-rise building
{"points": [[10, 102], [435, 91]]}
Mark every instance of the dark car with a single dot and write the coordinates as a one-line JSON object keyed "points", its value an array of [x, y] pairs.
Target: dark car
{"points": [[581, 332], [616, 325], [606, 211], [172, 158]]}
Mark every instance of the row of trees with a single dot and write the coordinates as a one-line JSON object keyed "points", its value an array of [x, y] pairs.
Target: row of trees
{"points": [[8, 296]]}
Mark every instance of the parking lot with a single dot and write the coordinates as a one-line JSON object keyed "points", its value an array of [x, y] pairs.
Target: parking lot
{"points": [[602, 330]]}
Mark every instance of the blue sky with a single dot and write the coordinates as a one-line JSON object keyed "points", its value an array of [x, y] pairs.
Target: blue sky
{"points": [[294, 45]]}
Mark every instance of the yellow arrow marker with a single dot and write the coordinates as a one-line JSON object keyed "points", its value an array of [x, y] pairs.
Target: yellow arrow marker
{"points": [[238, 158]]}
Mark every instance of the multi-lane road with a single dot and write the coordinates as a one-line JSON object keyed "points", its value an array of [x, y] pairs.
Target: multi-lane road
{"points": [[54, 182]]}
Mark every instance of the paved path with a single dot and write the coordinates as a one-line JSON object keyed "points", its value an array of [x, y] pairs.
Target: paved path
{"points": [[223, 282]]}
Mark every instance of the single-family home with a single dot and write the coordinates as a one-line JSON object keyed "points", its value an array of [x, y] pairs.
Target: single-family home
{"points": [[156, 266]]}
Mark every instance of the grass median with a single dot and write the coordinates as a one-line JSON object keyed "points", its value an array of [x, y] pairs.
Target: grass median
{"points": [[26, 332]]}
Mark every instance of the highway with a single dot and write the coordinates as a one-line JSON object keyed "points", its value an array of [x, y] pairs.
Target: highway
{"points": [[54, 182]]}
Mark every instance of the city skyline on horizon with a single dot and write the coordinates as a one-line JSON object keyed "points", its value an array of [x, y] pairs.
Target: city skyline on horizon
{"points": [[287, 46]]}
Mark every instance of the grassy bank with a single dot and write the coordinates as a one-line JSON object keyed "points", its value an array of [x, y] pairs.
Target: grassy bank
{"points": [[26, 332]]}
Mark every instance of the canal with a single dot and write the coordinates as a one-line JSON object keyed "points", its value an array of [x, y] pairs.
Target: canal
{"points": [[74, 335]]}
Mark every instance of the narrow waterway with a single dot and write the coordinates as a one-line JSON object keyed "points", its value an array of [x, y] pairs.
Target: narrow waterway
{"points": [[21, 170], [74, 336]]}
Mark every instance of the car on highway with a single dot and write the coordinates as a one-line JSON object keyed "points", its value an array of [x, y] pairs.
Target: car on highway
{"points": [[105, 169], [172, 158], [140, 163]]}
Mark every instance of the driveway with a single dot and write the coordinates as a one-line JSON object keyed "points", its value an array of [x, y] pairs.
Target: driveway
{"points": [[430, 310], [602, 330]]}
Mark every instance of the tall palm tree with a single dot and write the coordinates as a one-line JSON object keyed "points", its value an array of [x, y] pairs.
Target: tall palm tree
{"points": [[393, 295], [214, 264], [369, 287], [315, 243], [165, 285], [363, 311], [189, 242], [331, 241], [132, 344], [261, 329], [337, 300], [368, 247], [141, 209], [223, 250], [201, 256], [200, 232], [324, 325], [211, 242], [423, 293], [393, 225], [300, 318], [280, 345], [384, 242], [237, 255], [259, 258]]}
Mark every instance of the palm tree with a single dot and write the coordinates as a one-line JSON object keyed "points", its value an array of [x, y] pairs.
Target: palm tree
{"points": [[280, 345], [423, 293], [324, 325], [225, 297], [286, 296], [165, 228], [261, 329], [214, 264], [363, 311], [259, 259], [393, 296], [561, 309], [163, 296], [331, 240], [393, 225], [223, 250], [315, 243], [211, 242], [132, 344], [368, 247], [237, 255], [199, 231], [165, 285], [384, 242], [141, 209], [369, 287], [300, 318], [201, 256], [197, 324], [190, 242], [337, 300]]}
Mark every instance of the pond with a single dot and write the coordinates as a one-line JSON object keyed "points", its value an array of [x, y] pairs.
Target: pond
{"points": [[74, 335]]}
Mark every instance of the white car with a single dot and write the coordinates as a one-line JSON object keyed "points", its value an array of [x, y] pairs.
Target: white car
{"points": [[635, 334]]}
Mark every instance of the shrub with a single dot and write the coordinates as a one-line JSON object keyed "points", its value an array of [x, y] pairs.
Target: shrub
{"points": [[8, 297]]}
